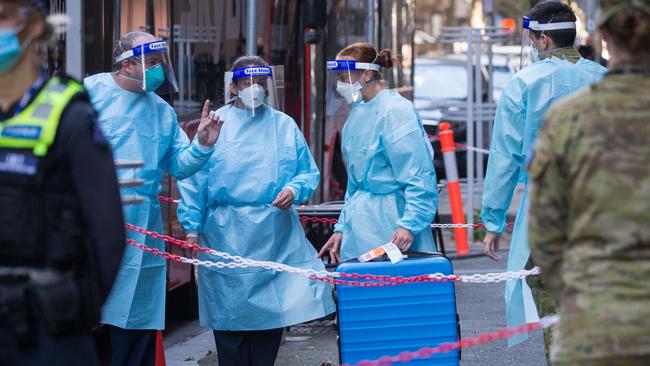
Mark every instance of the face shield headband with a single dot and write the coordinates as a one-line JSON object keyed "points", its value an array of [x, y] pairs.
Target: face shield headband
{"points": [[145, 49], [530, 54], [351, 65], [533, 25], [154, 59], [340, 73], [247, 72]]}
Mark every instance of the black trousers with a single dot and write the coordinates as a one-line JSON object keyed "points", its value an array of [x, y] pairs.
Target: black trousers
{"points": [[133, 347], [248, 348], [70, 350]]}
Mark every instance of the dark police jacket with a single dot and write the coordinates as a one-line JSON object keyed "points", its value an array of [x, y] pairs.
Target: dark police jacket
{"points": [[60, 207]]}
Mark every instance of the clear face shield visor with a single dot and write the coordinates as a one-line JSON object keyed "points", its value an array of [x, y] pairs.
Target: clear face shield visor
{"points": [[156, 65], [343, 77], [254, 86], [529, 52]]}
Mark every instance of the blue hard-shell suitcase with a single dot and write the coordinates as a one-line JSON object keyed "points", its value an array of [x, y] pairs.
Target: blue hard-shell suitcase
{"points": [[379, 321]]}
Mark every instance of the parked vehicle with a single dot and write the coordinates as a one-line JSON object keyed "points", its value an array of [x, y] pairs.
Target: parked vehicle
{"points": [[440, 94]]}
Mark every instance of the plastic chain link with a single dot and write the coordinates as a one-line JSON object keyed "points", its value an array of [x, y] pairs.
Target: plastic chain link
{"points": [[325, 220], [335, 278]]}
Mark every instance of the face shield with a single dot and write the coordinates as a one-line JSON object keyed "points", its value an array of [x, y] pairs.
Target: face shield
{"points": [[343, 85], [530, 52], [254, 86], [156, 65]]}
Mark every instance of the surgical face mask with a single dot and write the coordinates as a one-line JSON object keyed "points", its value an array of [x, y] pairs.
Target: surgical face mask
{"points": [[154, 76], [253, 96], [534, 54], [351, 92], [10, 49]]}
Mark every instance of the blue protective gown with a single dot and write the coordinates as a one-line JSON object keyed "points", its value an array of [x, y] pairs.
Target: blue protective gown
{"points": [[519, 114], [228, 203], [391, 179], [142, 127]]}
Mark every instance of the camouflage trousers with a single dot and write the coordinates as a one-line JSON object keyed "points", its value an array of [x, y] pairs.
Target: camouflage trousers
{"points": [[545, 306]]}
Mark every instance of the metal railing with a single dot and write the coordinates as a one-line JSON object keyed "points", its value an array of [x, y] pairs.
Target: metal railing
{"points": [[121, 165], [475, 111]]}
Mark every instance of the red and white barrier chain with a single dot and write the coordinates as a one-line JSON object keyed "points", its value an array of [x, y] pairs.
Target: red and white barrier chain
{"points": [[361, 280], [325, 220], [434, 138], [168, 199], [235, 261], [336, 278], [464, 344], [473, 148]]}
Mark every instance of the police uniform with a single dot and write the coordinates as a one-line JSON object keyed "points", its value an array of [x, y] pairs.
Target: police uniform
{"points": [[589, 214], [62, 233]]}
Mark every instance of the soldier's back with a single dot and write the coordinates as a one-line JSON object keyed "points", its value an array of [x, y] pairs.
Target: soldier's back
{"points": [[605, 300]]}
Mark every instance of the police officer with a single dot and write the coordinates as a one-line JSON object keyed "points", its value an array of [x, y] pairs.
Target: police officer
{"points": [[61, 225], [590, 203]]}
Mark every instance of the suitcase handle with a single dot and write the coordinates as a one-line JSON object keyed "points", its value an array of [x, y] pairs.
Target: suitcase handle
{"points": [[409, 255]]}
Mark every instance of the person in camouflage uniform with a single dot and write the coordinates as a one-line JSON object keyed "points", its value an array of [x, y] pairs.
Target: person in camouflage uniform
{"points": [[589, 227]]}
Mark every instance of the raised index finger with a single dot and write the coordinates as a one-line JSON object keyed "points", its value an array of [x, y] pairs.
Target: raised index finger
{"points": [[206, 108]]}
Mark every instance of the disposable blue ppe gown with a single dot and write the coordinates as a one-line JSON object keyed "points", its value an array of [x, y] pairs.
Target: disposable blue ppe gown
{"points": [[142, 127], [519, 115], [228, 203], [391, 179]]}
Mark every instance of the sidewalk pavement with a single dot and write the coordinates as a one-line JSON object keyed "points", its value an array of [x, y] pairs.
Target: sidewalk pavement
{"points": [[303, 345]]}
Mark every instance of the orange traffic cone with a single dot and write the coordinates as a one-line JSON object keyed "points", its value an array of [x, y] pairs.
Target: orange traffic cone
{"points": [[453, 186], [160, 349]]}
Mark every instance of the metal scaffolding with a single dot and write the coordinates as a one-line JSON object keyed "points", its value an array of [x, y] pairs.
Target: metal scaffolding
{"points": [[475, 111]]}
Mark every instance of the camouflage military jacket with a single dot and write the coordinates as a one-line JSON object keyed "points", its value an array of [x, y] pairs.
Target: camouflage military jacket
{"points": [[589, 227]]}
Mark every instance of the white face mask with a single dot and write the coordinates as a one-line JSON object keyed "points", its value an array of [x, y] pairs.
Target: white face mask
{"points": [[351, 92], [253, 96], [534, 54]]}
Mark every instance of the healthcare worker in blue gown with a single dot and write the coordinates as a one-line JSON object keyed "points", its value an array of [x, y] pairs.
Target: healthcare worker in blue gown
{"points": [[241, 203], [141, 126], [392, 191], [552, 69]]}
